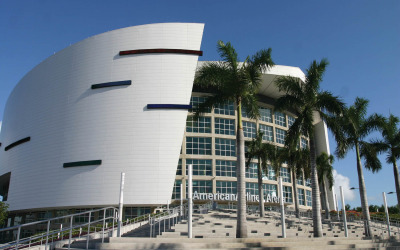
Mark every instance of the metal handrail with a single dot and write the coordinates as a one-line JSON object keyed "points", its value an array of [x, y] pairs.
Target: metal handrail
{"points": [[49, 234], [175, 213]]}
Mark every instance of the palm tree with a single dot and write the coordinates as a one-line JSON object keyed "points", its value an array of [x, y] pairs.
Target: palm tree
{"points": [[325, 169], [351, 130], [298, 162], [307, 98], [391, 144], [235, 82], [263, 152]]}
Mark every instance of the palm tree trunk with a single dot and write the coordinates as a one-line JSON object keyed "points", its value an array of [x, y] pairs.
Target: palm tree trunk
{"points": [[295, 197], [397, 183], [260, 189], [241, 225], [316, 199], [325, 198], [363, 195]]}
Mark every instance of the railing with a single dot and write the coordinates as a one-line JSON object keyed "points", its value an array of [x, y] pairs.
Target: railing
{"points": [[55, 231], [175, 215]]}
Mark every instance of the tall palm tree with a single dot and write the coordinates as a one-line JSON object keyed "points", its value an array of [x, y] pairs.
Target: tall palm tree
{"points": [[307, 98], [325, 169], [263, 152], [235, 82], [391, 145], [352, 129], [298, 161]]}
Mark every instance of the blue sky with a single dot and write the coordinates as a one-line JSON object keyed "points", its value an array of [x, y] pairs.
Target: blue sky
{"points": [[360, 38]]}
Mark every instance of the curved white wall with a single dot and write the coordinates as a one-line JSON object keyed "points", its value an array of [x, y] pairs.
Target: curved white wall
{"points": [[68, 121]]}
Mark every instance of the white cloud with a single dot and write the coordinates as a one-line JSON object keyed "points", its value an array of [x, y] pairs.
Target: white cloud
{"points": [[344, 181], [0, 125]]}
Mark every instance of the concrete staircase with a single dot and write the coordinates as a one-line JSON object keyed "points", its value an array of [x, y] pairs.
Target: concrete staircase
{"points": [[222, 223], [247, 243], [217, 230]]}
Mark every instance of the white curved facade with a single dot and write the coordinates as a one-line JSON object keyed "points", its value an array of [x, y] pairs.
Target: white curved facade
{"points": [[67, 121]]}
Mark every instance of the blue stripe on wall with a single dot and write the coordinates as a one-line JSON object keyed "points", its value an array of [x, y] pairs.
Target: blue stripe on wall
{"points": [[111, 84], [168, 106]]}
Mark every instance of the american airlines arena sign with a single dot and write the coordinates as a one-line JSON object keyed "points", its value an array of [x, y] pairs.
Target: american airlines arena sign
{"points": [[233, 197]]}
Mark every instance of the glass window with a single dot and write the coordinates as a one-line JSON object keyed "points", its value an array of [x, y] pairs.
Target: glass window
{"points": [[225, 147], [252, 188], [251, 171], [198, 145], [280, 135], [300, 180], [224, 126], [287, 193], [271, 173], [196, 100], [133, 212], [225, 168], [202, 125], [270, 189], [199, 166], [300, 195], [304, 143], [265, 114], [200, 186], [291, 120], [280, 119], [249, 129], [179, 169], [268, 132], [285, 174], [308, 182], [244, 112], [226, 187], [226, 109], [309, 198], [176, 192]]}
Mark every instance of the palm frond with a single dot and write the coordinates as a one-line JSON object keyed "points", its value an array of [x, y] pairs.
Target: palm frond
{"points": [[370, 155], [228, 54]]}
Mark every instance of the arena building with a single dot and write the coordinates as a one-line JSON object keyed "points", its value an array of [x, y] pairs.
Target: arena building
{"points": [[119, 102]]}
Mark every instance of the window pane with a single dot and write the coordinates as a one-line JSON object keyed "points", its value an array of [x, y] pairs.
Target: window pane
{"points": [[308, 198], [249, 129], [226, 187], [225, 147], [226, 109], [285, 174], [291, 120], [198, 145], [224, 126], [265, 115], [280, 119], [280, 135], [268, 132], [199, 166], [179, 169], [225, 168], [202, 125], [200, 186], [176, 192], [195, 101], [287, 193], [252, 188], [300, 195]]}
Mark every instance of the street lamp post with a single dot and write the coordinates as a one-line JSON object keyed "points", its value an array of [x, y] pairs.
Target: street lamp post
{"points": [[346, 233], [386, 212]]}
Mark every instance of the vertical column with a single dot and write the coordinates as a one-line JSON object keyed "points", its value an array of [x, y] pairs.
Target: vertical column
{"points": [[346, 233], [190, 201], [121, 204], [386, 212], [281, 200]]}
